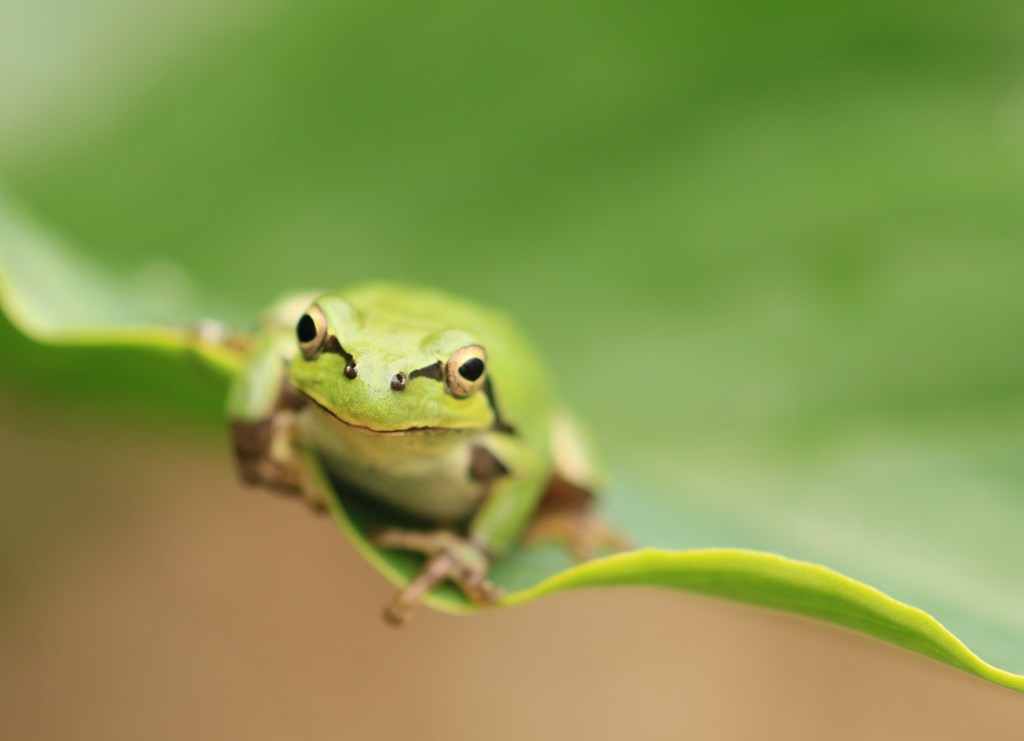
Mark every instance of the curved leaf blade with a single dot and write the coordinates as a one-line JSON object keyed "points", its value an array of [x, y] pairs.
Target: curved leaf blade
{"points": [[771, 580], [54, 298], [764, 579]]}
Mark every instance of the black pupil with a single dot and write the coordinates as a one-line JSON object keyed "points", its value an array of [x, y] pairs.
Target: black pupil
{"points": [[472, 369], [306, 329]]}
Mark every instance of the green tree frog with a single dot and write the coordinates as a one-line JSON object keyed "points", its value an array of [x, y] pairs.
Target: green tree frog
{"points": [[429, 404]]}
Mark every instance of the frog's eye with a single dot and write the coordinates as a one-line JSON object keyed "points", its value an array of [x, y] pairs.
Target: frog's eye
{"points": [[311, 332], [466, 370]]}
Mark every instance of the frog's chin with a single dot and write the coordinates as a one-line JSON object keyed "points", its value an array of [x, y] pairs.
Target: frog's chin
{"points": [[368, 428]]}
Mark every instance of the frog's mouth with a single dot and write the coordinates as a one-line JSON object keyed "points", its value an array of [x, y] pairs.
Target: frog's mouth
{"points": [[366, 430]]}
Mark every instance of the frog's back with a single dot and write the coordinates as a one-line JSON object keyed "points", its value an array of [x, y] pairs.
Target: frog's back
{"points": [[417, 304]]}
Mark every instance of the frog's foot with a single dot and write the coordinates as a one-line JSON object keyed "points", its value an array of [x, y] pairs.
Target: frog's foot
{"points": [[578, 529], [449, 557]]}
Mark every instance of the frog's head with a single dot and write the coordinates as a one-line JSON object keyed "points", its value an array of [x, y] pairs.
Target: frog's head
{"points": [[389, 373]]}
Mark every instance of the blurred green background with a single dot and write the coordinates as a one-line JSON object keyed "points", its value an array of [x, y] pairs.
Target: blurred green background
{"points": [[772, 252]]}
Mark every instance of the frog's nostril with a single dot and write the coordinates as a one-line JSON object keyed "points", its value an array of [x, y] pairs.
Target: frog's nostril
{"points": [[398, 381], [350, 371]]}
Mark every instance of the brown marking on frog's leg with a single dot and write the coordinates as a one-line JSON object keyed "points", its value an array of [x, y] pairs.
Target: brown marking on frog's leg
{"points": [[251, 441], [484, 466], [567, 516], [265, 451], [288, 399], [449, 558]]}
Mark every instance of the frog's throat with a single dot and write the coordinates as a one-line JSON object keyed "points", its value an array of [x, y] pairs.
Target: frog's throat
{"points": [[365, 430]]}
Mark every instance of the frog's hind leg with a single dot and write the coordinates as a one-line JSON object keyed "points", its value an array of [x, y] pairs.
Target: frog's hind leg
{"points": [[567, 514]]}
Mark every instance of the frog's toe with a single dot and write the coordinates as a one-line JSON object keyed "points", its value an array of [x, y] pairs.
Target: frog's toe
{"points": [[478, 589], [400, 609], [427, 542]]}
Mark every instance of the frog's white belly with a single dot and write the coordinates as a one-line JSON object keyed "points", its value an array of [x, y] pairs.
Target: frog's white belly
{"points": [[425, 474]]}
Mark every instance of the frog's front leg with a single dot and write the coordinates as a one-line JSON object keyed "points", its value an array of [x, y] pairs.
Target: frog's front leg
{"points": [[449, 557], [262, 407], [266, 454], [465, 560]]}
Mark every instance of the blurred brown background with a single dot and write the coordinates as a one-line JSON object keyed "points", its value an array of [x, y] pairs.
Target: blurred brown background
{"points": [[156, 598]]}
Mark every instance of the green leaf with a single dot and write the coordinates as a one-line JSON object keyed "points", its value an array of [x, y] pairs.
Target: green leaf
{"points": [[56, 298], [759, 578]]}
